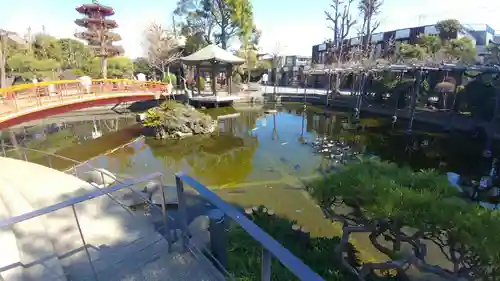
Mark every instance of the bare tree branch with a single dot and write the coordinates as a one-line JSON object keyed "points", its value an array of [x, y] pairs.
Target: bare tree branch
{"points": [[341, 20], [161, 46]]}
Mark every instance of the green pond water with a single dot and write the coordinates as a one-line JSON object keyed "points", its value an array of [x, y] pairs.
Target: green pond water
{"points": [[254, 158]]}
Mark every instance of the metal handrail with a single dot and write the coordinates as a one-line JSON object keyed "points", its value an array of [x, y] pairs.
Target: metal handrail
{"points": [[79, 164], [71, 203], [45, 153], [269, 245], [75, 200]]}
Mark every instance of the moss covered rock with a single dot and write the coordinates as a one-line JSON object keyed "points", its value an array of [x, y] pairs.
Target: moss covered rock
{"points": [[176, 120]]}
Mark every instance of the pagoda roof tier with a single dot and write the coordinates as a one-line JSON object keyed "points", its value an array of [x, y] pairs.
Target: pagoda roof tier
{"points": [[91, 21], [89, 9], [92, 36], [109, 50]]}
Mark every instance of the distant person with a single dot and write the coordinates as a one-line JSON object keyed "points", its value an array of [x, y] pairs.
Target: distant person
{"points": [[265, 78], [86, 83], [52, 89], [141, 77]]}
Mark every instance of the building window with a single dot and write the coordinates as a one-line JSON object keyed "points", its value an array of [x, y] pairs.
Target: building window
{"points": [[430, 30], [403, 33]]}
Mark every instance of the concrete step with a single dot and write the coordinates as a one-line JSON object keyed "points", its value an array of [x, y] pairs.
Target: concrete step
{"points": [[27, 251], [174, 267], [134, 261], [142, 243]]}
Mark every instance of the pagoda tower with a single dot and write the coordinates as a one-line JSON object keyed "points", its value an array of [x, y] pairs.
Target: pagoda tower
{"points": [[98, 32]]}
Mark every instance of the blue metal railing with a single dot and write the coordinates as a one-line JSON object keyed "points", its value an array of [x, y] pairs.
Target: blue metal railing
{"points": [[79, 199], [270, 247], [75, 200]]}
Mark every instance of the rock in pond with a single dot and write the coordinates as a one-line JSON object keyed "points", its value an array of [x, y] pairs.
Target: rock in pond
{"points": [[176, 120], [100, 177]]}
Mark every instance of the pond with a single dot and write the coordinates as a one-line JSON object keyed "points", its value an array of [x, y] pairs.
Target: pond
{"points": [[257, 158]]}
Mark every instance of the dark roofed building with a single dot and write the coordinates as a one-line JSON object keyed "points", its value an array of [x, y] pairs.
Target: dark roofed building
{"points": [[405, 35]]}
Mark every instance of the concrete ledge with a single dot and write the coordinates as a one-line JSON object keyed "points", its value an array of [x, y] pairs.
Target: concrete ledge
{"points": [[37, 259], [10, 253]]}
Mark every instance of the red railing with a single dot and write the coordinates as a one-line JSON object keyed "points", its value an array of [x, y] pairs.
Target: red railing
{"points": [[15, 100]]}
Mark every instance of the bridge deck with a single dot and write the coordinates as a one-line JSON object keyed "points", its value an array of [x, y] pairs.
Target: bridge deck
{"points": [[14, 108]]}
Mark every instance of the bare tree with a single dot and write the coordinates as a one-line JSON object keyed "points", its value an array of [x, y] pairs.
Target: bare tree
{"points": [[162, 48], [277, 63], [369, 10], [341, 20]]}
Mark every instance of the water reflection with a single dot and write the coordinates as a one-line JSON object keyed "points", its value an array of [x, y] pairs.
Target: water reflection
{"points": [[256, 158], [251, 145], [81, 138]]}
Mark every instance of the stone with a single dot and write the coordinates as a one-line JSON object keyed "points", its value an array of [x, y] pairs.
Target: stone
{"points": [[100, 177], [201, 239], [200, 223], [176, 120]]}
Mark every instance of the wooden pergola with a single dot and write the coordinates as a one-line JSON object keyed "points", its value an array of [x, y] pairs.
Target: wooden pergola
{"points": [[213, 59]]}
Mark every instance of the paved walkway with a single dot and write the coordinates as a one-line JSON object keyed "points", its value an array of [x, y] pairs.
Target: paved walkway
{"points": [[122, 246]]}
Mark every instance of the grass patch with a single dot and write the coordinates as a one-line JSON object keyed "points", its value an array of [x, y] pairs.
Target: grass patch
{"points": [[317, 252]]}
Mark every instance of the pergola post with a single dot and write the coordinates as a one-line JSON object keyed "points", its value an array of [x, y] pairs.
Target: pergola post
{"points": [[414, 96]]}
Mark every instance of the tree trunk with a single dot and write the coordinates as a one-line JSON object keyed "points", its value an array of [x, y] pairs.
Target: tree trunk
{"points": [[104, 67], [368, 30], [162, 72], [3, 59], [336, 25], [223, 29]]}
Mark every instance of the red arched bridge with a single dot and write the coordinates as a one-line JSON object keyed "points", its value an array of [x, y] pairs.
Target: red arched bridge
{"points": [[26, 102]]}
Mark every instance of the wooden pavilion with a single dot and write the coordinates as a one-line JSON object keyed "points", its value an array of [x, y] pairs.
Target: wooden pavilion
{"points": [[215, 60]]}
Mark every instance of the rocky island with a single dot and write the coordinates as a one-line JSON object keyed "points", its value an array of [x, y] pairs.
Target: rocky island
{"points": [[176, 120]]}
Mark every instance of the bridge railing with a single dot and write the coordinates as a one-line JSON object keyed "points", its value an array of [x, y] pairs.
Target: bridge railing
{"points": [[270, 247], [21, 97]]}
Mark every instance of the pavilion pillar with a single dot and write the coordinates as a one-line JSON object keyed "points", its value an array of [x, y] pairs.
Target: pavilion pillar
{"points": [[229, 78], [213, 81], [198, 86]]}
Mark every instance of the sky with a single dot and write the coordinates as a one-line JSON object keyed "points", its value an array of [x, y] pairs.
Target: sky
{"points": [[290, 27]]}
